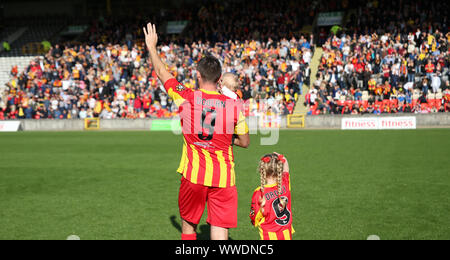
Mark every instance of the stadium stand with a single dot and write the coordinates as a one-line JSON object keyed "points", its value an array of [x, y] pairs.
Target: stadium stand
{"points": [[385, 70], [28, 42], [391, 57], [9, 35], [6, 63], [106, 74], [114, 81]]}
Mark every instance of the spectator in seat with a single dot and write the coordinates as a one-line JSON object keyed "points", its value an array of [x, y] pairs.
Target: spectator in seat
{"points": [[429, 69], [425, 86], [423, 99], [436, 82]]}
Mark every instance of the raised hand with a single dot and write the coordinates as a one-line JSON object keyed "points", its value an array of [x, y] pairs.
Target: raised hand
{"points": [[151, 37]]}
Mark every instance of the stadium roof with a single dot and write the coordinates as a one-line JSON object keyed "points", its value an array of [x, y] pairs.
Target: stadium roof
{"points": [[23, 8]]}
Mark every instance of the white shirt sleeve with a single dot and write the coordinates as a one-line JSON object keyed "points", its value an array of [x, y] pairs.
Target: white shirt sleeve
{"points": [[227, 92]]}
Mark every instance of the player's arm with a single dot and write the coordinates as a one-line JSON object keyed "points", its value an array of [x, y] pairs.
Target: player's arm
{"points": [[285, 164], [286, 174], [256, 211], [242, 140], [241, 133], [151, 39], [254, 208]]}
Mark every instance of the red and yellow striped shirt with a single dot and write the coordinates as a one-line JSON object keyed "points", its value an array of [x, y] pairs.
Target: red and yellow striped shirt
{"points": [[208, 121], [273, 224]]}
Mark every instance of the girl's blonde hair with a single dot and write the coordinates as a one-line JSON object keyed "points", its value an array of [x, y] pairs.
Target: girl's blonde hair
{"points": [[271, 166]]}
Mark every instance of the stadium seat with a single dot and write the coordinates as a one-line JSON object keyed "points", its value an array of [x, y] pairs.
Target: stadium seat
{"points": [[349, 103], [424, 106], [437, 103], [365, 104]]}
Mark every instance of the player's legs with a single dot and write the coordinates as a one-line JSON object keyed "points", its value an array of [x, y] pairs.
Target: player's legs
{"points": [[222, 211], [218, 233], [191, 202], [188, 230]]}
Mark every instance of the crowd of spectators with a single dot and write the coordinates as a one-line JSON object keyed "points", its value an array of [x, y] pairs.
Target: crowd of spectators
{"points": [[390, 57], [398, 61], [219, 21], [108, 75], [115, 81]]}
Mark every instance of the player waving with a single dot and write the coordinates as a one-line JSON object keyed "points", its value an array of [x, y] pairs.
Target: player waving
{"points": [[209, 120]]}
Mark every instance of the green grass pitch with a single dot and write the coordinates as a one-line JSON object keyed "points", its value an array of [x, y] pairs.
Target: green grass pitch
{"points": [[123, 185]]}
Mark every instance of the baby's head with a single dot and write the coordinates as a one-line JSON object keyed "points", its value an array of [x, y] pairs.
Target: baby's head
{"points": [[230, 81]]}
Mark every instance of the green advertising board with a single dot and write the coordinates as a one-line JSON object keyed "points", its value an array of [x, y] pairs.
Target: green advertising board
{"points": [[166, 125]]}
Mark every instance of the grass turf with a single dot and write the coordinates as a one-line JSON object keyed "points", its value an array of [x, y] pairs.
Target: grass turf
{"points": [[123, 185]]}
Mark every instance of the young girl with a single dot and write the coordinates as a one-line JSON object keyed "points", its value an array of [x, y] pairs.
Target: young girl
{"points": [[271, 203]]}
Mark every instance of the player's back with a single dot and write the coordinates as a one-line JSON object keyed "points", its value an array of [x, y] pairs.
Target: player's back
{"points": [[275, 224], [209, 120]]}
